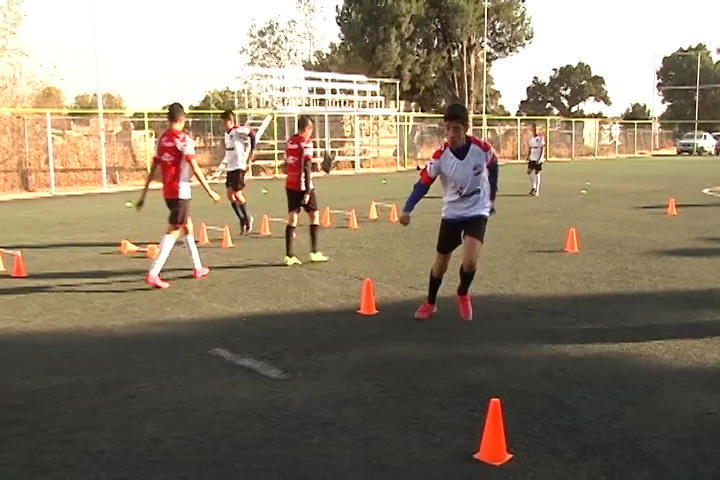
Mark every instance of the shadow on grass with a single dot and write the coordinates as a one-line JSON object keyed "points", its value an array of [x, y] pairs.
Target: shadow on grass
{"points": [[679, 206], [375, 397], [697, 252]]}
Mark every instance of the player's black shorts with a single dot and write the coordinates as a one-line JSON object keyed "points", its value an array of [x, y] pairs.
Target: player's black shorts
{"points": [[452, 232], [295, 199], [235, 179], [179, 210], [535, 166]]}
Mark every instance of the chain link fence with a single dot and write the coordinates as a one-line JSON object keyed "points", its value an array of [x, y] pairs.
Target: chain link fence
{"points": [[47, 151]]}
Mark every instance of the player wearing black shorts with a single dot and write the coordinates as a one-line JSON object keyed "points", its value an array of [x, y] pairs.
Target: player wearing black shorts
{"points": [[239, 149], [468, 169], [536, 151], [300, 191]]}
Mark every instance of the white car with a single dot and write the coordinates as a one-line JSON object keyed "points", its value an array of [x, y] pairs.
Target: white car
{"points": [[696, 142]]}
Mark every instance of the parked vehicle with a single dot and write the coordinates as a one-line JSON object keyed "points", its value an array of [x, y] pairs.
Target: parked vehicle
{"points": [[696, 142]]}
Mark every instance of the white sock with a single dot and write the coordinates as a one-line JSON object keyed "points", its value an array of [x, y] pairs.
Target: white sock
{"points": [[166, 245], [538, 175], [531, 181], [190, 245]]}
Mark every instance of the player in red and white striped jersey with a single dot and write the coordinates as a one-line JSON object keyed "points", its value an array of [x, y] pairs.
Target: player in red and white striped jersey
{"points": [[175, 157]]}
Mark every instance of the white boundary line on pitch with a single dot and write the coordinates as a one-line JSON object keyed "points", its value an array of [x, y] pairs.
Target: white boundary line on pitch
{"points": [[263, 368], [709, 191]]}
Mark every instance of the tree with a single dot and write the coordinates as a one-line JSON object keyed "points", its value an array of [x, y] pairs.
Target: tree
{"points": [[676, 81], [86, 101], [49, 96], [563, 94], [274, 44], [433, 47], [216, 100], [637, 111]]}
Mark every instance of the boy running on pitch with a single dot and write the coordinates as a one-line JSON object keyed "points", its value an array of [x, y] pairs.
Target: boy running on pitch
{"points": [[468, 171]]}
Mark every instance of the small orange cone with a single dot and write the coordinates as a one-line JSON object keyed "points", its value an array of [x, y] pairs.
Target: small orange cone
{"points": [[265, 226], [367, 299], [372, 215], [352, 220], [571, 242], [493, 449], [393, 214], [202, 235], [326, 219], [127, 247], [671, 208], [18, 270], [226, 238], [2, 264], [152, 251]]}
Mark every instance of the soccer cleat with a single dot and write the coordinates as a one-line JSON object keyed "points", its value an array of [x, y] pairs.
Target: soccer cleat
{"points": [[531, 192], [318, 257], [424, 311], [201, 272], [290, 261], [156, 281], [536, 193], [465, 307]]}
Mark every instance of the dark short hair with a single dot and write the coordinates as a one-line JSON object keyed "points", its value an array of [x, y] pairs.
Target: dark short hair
{"points": [[303, 122], [457, 113], [176, 112], [227, 115]]}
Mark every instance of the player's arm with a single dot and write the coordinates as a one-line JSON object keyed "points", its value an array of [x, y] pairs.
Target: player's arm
{"points": [[307, 168], [201, 178], [253, 142], [420, 189], [493, 168], [150, 176]]}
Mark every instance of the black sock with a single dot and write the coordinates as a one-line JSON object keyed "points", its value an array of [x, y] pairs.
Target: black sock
{"points": [[236, 209], [466, 279], [289, 230], [246, 218], [313, 237], [433, 287]]}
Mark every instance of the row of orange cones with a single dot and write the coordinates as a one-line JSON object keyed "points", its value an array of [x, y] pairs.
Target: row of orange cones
{"points": [[572, 245], [18, 268], [493, 446]]}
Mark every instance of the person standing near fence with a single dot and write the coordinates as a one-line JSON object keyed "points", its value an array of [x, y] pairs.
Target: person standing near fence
{"points": [[536, 153], [175, 156], [239, 149], [300, 190]]}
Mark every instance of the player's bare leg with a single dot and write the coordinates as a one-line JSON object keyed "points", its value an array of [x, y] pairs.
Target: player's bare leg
{"points": [[437, 272], [315, 255], [470, 255], [290, 258]]}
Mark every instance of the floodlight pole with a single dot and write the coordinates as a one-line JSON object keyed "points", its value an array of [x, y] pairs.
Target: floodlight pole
{"points": [[484, 94], [101, 119], [697, 97]]}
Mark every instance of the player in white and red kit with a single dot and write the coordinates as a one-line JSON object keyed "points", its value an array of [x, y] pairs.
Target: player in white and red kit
{"points": [[300, 190], [175, 157], [239, 150], [468, 170], [536, 157]]}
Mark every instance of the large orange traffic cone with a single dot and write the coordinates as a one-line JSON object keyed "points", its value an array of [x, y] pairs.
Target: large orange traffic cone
{"points": [[671, 208], [2, 264], [372, 214], [203, 235], [326, 220], [127, 247], [352, 220], [493, 449], [393, 214], [152, 251], [18, 270], [367, 299], [571, 242], [226, 238], [265, 226]]}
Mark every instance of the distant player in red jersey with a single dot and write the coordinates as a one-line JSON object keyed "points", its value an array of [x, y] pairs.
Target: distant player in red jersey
{"points": [[301, 191], [175, 157]]}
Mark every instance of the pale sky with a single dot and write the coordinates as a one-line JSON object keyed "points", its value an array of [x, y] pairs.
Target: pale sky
{"points": [[617, 38]]}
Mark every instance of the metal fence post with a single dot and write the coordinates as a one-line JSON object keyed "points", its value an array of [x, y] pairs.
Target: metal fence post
{"points": [[572, 151], [357, 141], [275, 140], [51, 159], [547, 142], [636, 134], [146, 137], [597, 138]]}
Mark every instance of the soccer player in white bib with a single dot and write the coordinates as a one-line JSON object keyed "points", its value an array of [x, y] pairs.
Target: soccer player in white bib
{"points": [[536, 158], [239, 148], [468, 171]]}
